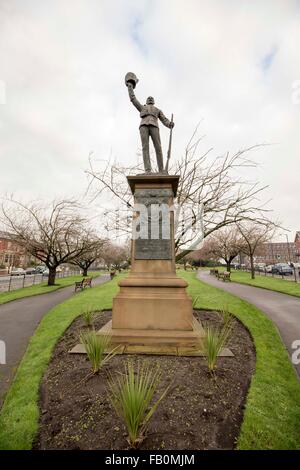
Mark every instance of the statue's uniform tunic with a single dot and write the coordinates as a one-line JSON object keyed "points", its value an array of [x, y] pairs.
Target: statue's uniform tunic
{"points": [[149, 128]]}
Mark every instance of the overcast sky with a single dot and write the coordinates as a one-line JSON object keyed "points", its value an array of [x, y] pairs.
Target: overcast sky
{"points": [[235, 65]]}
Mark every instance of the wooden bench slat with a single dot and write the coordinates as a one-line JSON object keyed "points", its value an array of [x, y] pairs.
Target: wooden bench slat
{"points": [[86, 281], [225, 275]]}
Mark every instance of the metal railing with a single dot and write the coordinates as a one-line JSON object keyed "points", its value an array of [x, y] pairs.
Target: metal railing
{"points": [[9, 283], [288, 277]]}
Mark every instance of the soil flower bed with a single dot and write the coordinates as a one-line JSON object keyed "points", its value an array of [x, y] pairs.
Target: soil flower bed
{"points": [[200, 411]]}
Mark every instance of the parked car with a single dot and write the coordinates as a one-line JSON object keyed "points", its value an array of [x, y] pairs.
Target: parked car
{"points": [[30, 271], [17, 272], [297, 267], [40, 269], [238, 266], [269, 268], [282, 268], [260, 267]]}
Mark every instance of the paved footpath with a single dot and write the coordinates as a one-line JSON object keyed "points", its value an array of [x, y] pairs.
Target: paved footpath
{"points": [[18, 321], [282, 309]]}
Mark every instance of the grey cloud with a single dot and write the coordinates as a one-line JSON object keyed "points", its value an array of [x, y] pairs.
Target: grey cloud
{"points": [[63, 65]]}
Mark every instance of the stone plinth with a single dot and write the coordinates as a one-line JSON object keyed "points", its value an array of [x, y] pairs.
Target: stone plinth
{"points": [[152, 307]]}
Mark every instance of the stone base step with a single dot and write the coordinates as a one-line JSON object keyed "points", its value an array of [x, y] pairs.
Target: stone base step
{"points": [[155, 342], [156, 350]]}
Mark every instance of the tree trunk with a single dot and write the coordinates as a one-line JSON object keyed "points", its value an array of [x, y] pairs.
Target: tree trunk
{"points": [[51, 277], [228, 266], [85, 272], [252, 267]]}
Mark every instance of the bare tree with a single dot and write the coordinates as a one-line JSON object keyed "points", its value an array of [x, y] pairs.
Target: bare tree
{"points": [[115, 255], [255, 235], [96, 252], [225, 244], [212, 193], [54, 234]]}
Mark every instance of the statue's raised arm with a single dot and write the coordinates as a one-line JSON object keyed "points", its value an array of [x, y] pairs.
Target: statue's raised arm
{"points": [[133, 98], [131, 81]]}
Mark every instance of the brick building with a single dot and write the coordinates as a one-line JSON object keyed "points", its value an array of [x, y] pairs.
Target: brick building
{"points": [[269, 253], [277, 252], [11, 253]]}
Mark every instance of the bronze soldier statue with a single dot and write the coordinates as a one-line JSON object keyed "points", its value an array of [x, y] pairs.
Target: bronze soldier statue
{"points": [[149, 125]]}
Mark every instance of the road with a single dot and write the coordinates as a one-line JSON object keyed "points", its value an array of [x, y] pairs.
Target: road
{"points": [[18, 321], [282, 309]]}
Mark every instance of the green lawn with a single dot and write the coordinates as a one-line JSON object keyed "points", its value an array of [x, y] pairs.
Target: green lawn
{"points": [[40, 288], [20, 413], [267, 282], [272, 413]]}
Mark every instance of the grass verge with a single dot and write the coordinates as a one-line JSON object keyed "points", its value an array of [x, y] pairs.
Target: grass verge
{"points": [[265, 282], [20, 413], [41, 288], [272, 413]]}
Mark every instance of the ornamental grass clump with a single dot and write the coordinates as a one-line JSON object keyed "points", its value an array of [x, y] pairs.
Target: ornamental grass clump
{"points": [[96, 347], [226, 317], [88, 316], [131, 395], [215, 339]]}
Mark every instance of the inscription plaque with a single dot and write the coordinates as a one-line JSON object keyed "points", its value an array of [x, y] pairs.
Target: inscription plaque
{"points": [[153, 224]]}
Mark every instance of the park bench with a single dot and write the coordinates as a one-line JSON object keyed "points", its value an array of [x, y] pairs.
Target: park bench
{"points": [[214, 272], [225, 276], [86, 281]]}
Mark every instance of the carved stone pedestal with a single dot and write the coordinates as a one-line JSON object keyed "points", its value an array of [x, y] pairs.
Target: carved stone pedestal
{"points": [[152, 311]]}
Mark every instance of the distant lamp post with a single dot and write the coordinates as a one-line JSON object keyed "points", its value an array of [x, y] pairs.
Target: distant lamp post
{"points": [[289, 254], [273, 259], [11, 262], [288, 248]]}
